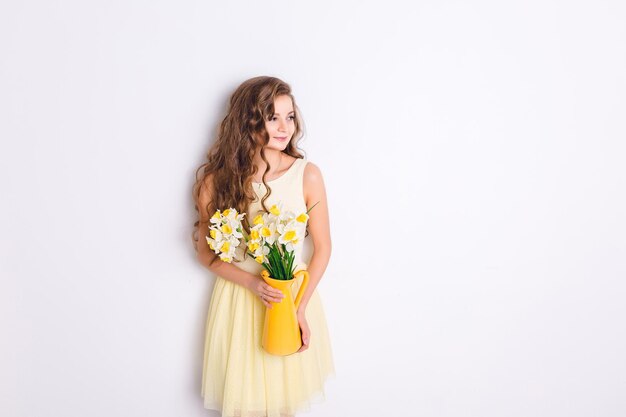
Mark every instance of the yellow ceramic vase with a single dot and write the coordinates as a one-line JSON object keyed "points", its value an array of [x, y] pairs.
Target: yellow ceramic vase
{"points": [[281, 331]]}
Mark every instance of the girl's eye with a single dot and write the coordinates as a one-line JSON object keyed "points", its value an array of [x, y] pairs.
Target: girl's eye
{"points": [[290, 117]]}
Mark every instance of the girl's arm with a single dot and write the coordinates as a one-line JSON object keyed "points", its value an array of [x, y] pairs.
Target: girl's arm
{"points": [[319, 229], [225, 269], [254, 283]]}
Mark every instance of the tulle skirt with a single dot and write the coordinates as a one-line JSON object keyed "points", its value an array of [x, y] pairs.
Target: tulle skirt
{"points": [[239, 378]]}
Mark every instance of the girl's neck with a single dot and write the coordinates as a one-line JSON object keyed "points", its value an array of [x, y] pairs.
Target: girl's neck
{"points": [[275, 159]]}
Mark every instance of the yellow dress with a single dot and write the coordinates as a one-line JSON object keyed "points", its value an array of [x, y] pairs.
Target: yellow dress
{"points": [[239, 378]]}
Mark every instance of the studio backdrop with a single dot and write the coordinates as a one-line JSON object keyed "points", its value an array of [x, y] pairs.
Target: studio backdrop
{"points": [[473, 156]]}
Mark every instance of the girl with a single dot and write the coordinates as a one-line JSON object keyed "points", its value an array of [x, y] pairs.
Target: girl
{"points": [[253, 165]]}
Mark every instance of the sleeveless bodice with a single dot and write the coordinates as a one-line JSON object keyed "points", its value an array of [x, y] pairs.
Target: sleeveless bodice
{"points": [[288, 189]]}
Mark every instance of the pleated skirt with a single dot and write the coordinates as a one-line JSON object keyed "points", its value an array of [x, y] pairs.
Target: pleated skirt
{"points": [[239, 378]]}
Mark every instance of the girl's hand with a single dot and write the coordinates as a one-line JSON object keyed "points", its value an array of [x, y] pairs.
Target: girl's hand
{"points": [[304, 330], [265, 292]]}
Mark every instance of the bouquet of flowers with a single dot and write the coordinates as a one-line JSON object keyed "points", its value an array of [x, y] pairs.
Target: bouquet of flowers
{"points": [[271, 240], [225, 233]]}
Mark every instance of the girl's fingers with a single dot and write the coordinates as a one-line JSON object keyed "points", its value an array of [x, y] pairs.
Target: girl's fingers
{"points": [[271, 297], [274, 295], [273, 290]]}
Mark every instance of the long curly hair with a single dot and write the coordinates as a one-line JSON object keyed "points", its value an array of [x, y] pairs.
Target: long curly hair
{"points": [[228, 171]]}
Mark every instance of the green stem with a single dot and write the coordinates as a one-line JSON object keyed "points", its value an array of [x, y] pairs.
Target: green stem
{"points": [[307, 212]]}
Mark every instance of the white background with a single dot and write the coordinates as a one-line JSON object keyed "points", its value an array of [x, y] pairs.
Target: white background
{"points": [[473, 153]]}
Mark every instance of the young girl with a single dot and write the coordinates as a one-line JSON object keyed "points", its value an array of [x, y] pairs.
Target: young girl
{"points": [[253, 165]]}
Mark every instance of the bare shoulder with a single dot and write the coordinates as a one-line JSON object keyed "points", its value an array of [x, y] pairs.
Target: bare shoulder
{"points": [[312, 171], [313, 184]]}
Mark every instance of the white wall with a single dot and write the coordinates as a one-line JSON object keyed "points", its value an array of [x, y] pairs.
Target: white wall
{"points": [[474, 159]]}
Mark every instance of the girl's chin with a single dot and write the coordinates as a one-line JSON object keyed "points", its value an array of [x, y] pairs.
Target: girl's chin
{"points": [[279, 144]]}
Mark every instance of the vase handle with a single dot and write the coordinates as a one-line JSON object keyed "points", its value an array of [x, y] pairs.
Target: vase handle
{"points": [[303, 286]]}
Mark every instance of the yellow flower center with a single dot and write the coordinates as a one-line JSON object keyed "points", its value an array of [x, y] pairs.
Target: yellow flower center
{"points": [[290, 235]]}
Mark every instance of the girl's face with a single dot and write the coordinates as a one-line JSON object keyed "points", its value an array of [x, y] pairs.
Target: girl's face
{"points": [[281, 125]]}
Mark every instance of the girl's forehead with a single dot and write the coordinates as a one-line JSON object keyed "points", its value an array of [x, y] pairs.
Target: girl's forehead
{"points": [[283, 105]]}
